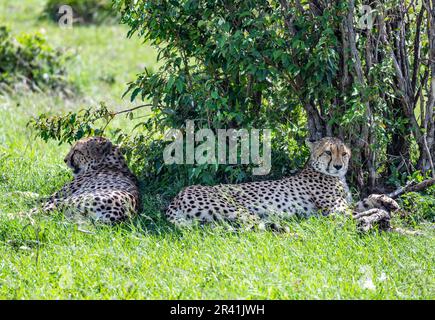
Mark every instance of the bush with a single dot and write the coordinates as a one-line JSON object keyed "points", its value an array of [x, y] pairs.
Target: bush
{"points": [[84, 11], [259, 63], [29, 60]]}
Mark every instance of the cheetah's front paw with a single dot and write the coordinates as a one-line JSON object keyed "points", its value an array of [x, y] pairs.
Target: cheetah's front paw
{"points": [[372, 218], [378, 201]]}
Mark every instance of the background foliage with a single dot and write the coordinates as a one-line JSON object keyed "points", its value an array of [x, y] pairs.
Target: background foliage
{"points": [[29, 60]]}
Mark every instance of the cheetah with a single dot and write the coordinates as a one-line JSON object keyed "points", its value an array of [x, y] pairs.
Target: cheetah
{"points": [[103, 187], [320, 187]]}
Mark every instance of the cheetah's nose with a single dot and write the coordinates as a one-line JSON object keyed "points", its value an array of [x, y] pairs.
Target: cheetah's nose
{"points": [[338, 166]]}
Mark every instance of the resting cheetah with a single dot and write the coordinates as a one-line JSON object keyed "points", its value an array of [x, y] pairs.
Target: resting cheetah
{"points": [[320, 186], [103, 187]]}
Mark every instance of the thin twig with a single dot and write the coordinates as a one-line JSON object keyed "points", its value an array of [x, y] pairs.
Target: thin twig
{"points": [[132, 109]]}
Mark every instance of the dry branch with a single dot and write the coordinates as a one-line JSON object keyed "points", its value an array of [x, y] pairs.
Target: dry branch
{"points": [[412, 186]]}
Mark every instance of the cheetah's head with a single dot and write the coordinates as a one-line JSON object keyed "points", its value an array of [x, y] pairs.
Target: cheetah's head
{"points": [[329, 156], [88, 153]]}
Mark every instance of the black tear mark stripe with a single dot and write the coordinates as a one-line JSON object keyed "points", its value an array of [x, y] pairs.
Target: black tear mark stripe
{"points": [[72, 159]]}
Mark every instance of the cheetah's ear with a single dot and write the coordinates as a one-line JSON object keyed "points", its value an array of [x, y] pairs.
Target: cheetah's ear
{"points": [[107, 147], [310, 143]]}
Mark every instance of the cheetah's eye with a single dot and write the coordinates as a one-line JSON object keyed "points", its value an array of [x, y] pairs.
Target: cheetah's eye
{"points": [[328, 153], [344, 154]]}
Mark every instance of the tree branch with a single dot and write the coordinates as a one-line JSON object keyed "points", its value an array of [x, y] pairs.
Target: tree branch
{"points": [[412, 187]]}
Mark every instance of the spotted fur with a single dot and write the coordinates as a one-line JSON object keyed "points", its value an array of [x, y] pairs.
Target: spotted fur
{"points": [[103, 187], [320, 186]]}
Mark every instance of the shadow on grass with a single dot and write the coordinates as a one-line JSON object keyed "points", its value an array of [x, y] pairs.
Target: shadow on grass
{"points": [[152, 221]]}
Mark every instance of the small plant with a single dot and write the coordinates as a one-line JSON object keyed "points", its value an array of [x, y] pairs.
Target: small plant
{"points": [[84, 11], [419, 206], [29, 60]]}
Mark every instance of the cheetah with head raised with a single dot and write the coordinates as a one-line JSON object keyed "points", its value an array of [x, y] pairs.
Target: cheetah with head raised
{"points": [[103, 187], [320, 186]]}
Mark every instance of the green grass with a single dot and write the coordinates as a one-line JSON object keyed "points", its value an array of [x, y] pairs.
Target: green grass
{"points": [[55, 260], [147, 258]]}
